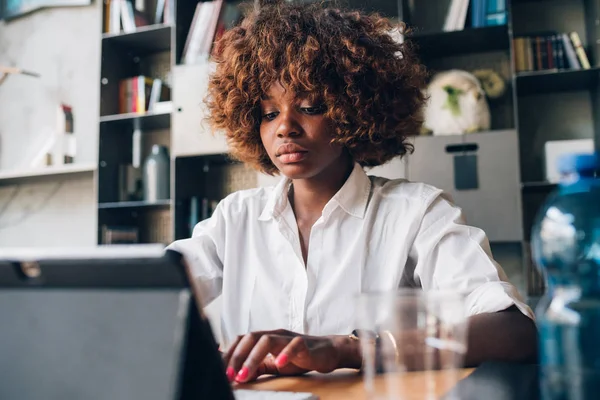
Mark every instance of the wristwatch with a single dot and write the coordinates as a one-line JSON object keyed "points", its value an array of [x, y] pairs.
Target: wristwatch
{"points": [[373, 336], [377, 347]]}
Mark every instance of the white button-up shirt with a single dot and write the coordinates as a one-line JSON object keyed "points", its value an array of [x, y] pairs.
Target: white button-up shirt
{"points": [[375, 234]]}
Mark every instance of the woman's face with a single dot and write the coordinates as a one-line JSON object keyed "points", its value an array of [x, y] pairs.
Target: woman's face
{"points": [[297, 136]]}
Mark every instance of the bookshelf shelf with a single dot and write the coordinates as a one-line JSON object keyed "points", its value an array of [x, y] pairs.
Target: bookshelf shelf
{"points": [[552, 81], [148, 121], [467, 41], [538, 187], [44, 173], [148, 39], [134, 204]]}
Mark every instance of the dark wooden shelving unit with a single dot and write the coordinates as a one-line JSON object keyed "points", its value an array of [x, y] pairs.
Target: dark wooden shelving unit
{"points": [[145, 52], [538, 187], [146, 39], [467, 41], [147, 121], [553, 81], [134, 204]]}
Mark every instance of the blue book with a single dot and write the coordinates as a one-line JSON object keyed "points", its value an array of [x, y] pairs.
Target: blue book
{"points": [[478, 12], [495, 13]]}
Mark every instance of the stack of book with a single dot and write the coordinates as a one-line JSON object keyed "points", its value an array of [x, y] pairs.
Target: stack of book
{"points": [[549, 51], [211, 19], [141, 94], [128, 15], [119, 235]]}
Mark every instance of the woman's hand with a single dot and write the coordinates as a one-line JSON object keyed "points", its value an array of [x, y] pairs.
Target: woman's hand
{"points": [[283, 352]]}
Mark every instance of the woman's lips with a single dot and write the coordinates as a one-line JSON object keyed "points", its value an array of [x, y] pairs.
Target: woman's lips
{"points": [[289, 158], [291, 153]]}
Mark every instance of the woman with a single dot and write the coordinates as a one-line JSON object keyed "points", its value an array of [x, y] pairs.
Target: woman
{"points": [[315, 95]]}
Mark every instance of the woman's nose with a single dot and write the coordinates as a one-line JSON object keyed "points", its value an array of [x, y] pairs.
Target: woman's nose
{"points": [[288, 126]]}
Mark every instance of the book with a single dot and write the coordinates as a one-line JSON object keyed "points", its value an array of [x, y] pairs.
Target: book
{"points": [[159, 92], [570, 54], [115, 16], [134, 94], [457, 15], [195, 36], [495, 13], [160, 11], [579, 50], [478, 13]]}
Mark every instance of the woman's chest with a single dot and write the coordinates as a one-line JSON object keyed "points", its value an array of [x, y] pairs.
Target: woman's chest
{"points": [[282, 291]]}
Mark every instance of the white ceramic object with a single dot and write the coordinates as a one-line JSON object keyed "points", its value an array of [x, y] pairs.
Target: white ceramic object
{"points": [[473, 113]]}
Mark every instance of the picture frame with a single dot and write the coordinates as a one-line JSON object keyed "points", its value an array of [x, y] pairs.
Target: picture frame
{"points": [[12, 9]]}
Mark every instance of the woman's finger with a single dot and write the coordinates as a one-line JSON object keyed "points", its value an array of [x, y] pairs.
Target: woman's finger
{"points": [[268, 343], [296, 350], [240, 354], [227, 356]]}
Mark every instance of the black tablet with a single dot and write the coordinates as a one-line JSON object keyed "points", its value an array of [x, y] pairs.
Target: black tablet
{"points": [[104, 323]]}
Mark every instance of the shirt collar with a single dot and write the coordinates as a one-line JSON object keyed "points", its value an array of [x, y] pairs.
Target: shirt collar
{"points": [[352, 197]]}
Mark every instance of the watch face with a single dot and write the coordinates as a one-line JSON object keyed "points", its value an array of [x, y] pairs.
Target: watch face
{"points": [[365, 333]]}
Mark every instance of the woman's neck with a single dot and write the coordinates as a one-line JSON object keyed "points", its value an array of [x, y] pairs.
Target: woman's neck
{"points": [[309, 196]]}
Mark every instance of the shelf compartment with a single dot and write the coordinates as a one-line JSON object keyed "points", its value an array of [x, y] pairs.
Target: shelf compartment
{"points": [[134, 204], [466, 41], [146, 39], [147, 121], [45, 173], [538, 187], [554, 81]]}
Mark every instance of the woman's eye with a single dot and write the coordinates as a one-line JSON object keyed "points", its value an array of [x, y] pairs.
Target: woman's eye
{"points": [[314, 110], [270, 116]]}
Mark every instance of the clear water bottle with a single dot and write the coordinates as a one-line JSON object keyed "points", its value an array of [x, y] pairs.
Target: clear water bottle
{"points": [[566, 248]]}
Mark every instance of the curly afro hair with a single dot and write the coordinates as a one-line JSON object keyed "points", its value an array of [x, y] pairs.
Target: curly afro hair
{"points": [[370, 83]]}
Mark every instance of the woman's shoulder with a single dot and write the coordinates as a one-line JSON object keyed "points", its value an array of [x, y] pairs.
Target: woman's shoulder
{"points": [[247, 200], [393, 190]]}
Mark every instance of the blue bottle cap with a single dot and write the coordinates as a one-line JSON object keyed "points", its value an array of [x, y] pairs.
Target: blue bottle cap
{"points": [[583, 163]]}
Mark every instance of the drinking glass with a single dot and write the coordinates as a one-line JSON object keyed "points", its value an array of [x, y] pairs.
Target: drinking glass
{"points": [[413, 343]]}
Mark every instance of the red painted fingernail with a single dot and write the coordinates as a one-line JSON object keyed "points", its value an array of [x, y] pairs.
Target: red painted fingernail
{"points": [[281, 360], [242, 375], [230, 374]]}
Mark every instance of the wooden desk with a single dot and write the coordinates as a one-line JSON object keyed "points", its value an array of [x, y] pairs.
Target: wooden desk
{"points": [[348, 385]]}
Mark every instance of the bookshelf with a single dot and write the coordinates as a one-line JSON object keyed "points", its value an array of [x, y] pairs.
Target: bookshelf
{"points": [[135, 204], [466, 41], [539, 106], [153, 38], [137, 51], [554, 81], [146, 121]]}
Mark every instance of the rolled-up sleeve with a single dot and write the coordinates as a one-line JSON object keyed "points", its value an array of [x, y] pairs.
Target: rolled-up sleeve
{"points": [[450, 255], [204, 253]]}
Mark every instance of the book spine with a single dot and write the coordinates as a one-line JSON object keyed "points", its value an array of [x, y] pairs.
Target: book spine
{"points": [[134, 94], [570, 52], [495, 14], [549, 52], [583, 60], [141, 95], [452, 16], [538, 54], [477, 13]]}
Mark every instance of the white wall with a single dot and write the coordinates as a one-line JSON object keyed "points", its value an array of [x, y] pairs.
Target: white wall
{"points": [[63, 45], [58, 213]]}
